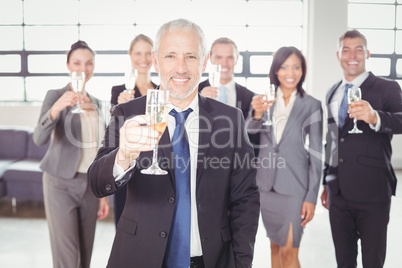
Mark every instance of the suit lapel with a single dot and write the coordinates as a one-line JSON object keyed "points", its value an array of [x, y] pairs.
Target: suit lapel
{"points": [[206, 126], [331, 92], [241, 103], [165, 153], [293, 116]]}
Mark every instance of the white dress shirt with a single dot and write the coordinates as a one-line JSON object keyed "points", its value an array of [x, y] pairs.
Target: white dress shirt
{"points": [[231, 95], [192, 127], [281, 113], [338, 95]]}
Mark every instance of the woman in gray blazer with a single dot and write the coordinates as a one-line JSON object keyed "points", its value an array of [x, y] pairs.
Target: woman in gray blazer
{"points": [[289, 161], [71, 208]]}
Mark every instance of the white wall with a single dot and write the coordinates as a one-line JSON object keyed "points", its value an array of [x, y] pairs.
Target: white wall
{"points": [[327, 22]]}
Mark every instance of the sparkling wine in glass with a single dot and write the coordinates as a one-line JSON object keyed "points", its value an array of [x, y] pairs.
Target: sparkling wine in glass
{"points": [[354, 94], [214, 74], [130, 78], [157, 111], [269, 96], [77, 82]]}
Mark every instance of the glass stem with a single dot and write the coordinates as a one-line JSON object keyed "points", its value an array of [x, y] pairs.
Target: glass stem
{"points": [[155, 156]]}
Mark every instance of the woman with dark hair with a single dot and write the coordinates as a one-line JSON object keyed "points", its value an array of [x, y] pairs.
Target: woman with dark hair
{"points": [[71, 207], [140, 52], [289, 166]]}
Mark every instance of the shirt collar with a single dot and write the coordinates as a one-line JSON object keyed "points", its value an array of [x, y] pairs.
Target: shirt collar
{"points": [[279, 93], [230, 85], [357, 81], [194, 105]]}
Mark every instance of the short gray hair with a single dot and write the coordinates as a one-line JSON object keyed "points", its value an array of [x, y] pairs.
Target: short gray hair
{"points": [[181, 24]]}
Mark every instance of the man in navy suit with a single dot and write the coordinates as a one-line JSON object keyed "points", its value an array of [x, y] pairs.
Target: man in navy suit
{"points": [[224, 52], [224, 196], [359, 178]]}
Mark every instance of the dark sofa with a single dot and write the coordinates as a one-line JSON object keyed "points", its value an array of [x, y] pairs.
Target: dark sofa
{"points": [[20, 175]]}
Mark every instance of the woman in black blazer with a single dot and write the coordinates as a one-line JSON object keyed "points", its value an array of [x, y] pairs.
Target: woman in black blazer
{"points": [[141, 59]]}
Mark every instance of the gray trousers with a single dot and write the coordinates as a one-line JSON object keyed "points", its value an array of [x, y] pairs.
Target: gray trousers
{"points": [[71, 213]]}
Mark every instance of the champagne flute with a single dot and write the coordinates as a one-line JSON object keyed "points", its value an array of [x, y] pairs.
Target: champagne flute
{"points": [[130, 80], [214, 76], [157, 110], [354, 94], [269, 96], [77, 82]]}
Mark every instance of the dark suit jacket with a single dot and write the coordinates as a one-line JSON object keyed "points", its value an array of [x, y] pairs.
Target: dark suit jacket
{"points": [[227, 195], [64, 153], [244, 97], [362, 170]]}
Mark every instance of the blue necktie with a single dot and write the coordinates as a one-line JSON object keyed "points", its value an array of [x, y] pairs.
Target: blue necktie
{"points": [[343, 108], [178, 251], [222, 94]]}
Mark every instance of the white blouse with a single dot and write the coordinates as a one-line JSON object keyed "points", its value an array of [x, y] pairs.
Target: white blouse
{"points": [[92, 132], [281, 113]]}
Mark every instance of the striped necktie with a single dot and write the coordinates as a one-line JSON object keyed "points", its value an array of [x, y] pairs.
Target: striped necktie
{"points": [[343, 108], [178, 250]]}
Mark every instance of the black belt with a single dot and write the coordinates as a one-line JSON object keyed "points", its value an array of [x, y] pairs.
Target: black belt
{"points": [[197, 262]]}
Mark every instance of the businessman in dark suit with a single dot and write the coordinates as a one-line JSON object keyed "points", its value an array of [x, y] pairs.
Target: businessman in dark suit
{"points": [[224, 196], [359, 178], [224, 52]]}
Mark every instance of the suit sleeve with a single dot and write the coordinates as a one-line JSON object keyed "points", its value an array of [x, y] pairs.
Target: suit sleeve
{"points": [[254, 126], [315, 129], [100, 173], [391, 112], [244, 201], [45, 124], [115, 95]]}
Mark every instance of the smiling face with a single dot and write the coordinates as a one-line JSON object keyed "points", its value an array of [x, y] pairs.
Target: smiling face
{"points": [[141, 56], [180, 63], [290, 73], [352, 56], [82, 60], [225, 55]]}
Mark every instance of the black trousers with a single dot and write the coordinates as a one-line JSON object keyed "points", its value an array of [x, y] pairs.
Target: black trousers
{"points": [[351, 221]]}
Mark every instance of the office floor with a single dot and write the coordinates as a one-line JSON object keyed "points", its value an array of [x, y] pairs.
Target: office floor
{"points": [[24, 238]]}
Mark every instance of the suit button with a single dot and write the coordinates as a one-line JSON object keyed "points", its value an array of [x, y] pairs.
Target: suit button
{"points": [[108, 187], [341, 160], [162, 234], [342, 140], [171, 200]]}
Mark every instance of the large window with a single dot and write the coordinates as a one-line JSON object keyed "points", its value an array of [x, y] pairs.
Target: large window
{"points": [[381, 22], [39, 32]]}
